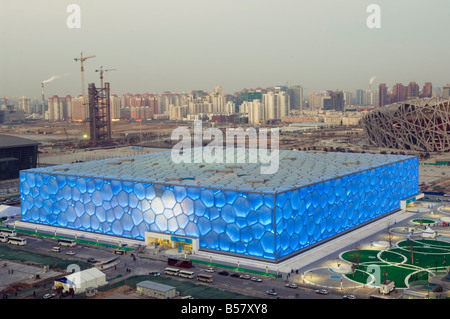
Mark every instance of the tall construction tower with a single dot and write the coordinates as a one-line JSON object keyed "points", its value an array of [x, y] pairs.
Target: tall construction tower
{"points": [[100, 115], [86, 109]]}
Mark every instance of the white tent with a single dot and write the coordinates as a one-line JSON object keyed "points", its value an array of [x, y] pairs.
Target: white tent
{"points": [[428, 233], [80, 281]]}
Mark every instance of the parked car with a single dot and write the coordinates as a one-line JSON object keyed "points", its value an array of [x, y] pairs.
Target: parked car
{"points": [[322, 291], [209, 269], [154, 273], [256, 279], [48, 296], [235, 275], [71, 253], [246, 277], [272, 292], [223, 273], [349, 297], [92, 260], [291, 285]]}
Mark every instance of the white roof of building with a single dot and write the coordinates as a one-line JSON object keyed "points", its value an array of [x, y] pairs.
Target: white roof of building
{"points": [[295, 169], [154, 286]]}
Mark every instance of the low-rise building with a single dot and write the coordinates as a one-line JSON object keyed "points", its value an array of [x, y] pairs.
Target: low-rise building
{"points": [[156, 290]]}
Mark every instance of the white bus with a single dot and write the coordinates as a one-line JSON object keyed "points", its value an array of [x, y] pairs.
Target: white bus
{"points": [[204, 277], [186, 274], [172, 271], [8, 232], [3, 238], [67, 242], [17, 241]]}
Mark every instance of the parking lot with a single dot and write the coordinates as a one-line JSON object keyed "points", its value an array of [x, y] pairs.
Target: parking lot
{"points": [[226, 283], [140, 262]]}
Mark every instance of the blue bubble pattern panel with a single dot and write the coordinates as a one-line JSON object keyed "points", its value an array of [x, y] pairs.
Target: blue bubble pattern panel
{"points": [[227, 221], [256, 225], [314, 213]]}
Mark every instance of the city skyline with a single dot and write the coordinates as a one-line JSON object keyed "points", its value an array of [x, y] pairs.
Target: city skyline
{"points": [[184, 46]]}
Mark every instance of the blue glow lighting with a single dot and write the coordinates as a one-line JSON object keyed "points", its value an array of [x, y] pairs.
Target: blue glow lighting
{"points": [[254, 220]]}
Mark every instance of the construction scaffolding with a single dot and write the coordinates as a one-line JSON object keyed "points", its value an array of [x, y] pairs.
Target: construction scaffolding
{"points": [[100, 115]]}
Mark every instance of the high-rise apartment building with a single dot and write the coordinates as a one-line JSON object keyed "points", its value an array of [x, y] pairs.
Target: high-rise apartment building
{"points": [[413, 90], [348, 96], [427, 90], [296, 97], [320, 101], [383, 97], [25, 104], [366, 97], [168, 99], [446, 90], [399, 93], [78, 109], [337, 101], [313, 101], [58, 108], [283, 103], [178, 112], [276, 105], [230, 107], [359, 97], [115, 105], [218, 100], [199, 107], [255, 112], [270, 105]]}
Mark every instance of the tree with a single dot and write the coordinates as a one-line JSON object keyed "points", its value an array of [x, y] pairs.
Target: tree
{"points": [[355, 258]]}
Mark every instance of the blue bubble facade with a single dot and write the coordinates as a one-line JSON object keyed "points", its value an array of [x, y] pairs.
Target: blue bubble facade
{"points": [[262, 225]]}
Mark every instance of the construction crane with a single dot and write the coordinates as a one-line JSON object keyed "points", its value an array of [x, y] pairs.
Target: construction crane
{"points": [[82, 59], [101, 74]]}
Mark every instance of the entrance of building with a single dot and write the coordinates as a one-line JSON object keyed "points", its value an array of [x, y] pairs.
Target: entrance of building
{"points": [[180, 243]]}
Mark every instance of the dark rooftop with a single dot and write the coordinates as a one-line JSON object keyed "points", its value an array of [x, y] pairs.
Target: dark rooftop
{"points": [[8, 141]]}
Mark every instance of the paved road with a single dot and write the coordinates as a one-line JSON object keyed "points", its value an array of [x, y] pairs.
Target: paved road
{"points": [[145, 263]]}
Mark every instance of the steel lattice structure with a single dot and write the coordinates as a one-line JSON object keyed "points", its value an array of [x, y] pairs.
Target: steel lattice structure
{"points": [[418, 124]]}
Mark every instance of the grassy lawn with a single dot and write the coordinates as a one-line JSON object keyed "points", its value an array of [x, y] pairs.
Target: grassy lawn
{"points": [[362, 255], [424, 221], [44, 260], [78, 240], [429, 254]]}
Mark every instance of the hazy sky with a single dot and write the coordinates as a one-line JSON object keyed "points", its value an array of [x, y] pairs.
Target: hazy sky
{"points": [[183, 45]]}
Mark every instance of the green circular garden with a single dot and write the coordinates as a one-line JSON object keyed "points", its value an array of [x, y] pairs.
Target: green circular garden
{"points": [[411, 260], [423, 221]]}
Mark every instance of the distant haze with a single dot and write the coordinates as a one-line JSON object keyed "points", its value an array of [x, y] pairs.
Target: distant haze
{"points": [[184, 45]]}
